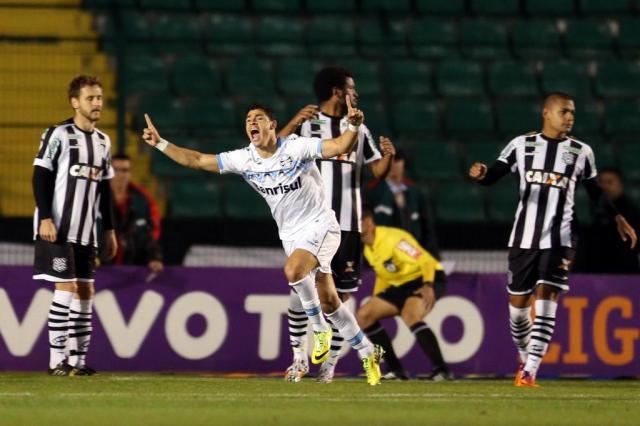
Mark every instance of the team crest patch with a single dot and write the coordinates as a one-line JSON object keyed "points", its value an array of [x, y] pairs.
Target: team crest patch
{"points": [[569, 158], [59, 264], [286, 162], [390, 266]]}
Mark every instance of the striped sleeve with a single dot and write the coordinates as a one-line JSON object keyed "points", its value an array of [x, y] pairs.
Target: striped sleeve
{"points": [[508, 154], [369, 150], [107, 167], [590, 170], [49, 150]]}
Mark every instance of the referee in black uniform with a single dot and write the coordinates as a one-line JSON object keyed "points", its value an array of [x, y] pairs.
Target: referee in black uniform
{"points": [[71, 187], [543, 239]]}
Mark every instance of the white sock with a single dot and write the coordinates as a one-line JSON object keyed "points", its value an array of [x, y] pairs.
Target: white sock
{"points": [[520, 326], [79, 331], [298, 323], [543, 327], [58, 326], [345, 322], [306, 290]]}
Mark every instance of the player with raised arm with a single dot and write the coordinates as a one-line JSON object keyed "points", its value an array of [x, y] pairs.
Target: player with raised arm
{"points": [[283, 172], [342, 178], [543, 239]]}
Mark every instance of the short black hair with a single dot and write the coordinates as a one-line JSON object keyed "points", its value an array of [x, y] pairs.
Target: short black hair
{"points": [[328, 78], [263, 107], [616, 171], [120, 157], [81, 81], [553, 96]]}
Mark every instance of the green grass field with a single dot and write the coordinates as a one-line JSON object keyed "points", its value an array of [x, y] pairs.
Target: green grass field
{"points": [[157, 399]]}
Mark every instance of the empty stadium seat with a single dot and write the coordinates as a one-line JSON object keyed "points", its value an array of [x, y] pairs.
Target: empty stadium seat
{"points": [[566, 76], [460, 78], [609, 7], [220, 5], [277, 35], [145, 74], [460, 202], [250, 76], [365, 74], [589, 39], [386, 6], [615, 79], [439, 7], [630, 159], [603, 151], [321, 6], [433, 39], [176, 34], [502, 199], [434, 160], [512, 79], [469, 118], [409, 78], [538, 39], [196, 197], [483, 152], [165, 4], [629, 37], [588, 122], [295, 77], [563, 8], [411, 116], [495, 7], [331, 36], [228, 34], [211, 114], [518, 117], [193, 75], [291, 6], [621, 117], [482, 39]]}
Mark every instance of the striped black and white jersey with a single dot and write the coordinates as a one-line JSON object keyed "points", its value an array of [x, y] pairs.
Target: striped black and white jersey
{"points": [[80, 160], [549, 170], [342, 175]]}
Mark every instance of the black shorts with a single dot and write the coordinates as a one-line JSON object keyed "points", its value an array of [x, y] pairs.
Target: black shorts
{"points": [[346, 262], [530, 267], [64, 262], [398, 296]]}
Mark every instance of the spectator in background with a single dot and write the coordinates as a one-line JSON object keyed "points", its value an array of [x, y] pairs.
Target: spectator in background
{"points": [[397, 202], [136, 220], [607, 253]]}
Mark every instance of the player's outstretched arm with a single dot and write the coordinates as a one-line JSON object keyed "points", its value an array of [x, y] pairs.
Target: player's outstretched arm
{"points": [[306, 113], [477, 171], [346, 141], [488, 175], [183, 156], [380, 168]]}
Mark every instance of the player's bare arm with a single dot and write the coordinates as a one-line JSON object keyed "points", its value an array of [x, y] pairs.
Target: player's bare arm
{"points": [[111, 243], [307, 113], [346, 141], [186, 157], [477, 171], [380, 168], [626, 231]]}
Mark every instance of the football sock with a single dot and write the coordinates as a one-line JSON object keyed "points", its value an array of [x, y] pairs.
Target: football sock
{"points": [[543, 326], [58, 326], [336, 346], [520, 325], [429, 344], [79, 331], [297, 326], [378, 335], [345, 322], [306, 290]]}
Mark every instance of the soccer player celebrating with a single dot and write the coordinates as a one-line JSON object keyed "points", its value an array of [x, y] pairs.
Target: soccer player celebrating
{"points": [[342, 179], [409, 280], [71, 186], [543, 239], [284, 173]]}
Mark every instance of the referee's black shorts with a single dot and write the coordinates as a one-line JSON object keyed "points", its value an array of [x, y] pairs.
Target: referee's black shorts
{"points": [[346, 262], [529, 268]]}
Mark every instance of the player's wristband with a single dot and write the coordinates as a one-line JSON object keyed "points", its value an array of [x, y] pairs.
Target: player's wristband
{"points": [[353, 128], [162, 145]]}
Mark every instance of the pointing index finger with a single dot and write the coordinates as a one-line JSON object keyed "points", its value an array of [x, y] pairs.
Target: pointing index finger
{"points": [[348, 99], [148, 120]]}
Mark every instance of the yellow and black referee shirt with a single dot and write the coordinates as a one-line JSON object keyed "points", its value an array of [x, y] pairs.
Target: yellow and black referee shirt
{"points": [[397, 258]]}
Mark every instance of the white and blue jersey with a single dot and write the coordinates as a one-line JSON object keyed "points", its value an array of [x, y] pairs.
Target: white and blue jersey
{"points": [[289, 181]]}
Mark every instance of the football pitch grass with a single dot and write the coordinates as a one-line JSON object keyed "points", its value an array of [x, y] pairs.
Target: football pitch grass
{"points": [[182, 399]]}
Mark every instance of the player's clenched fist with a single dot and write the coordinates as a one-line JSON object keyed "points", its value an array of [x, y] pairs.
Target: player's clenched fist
{"points": [[386, 146], [150, 134], [477, 171], [309, 112]]}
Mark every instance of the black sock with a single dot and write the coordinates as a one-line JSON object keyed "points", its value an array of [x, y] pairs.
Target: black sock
{"points": [[429, 344], [378, 336]]}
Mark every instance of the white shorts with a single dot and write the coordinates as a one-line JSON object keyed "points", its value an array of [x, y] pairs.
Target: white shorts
{"points": [[320, 239]]}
